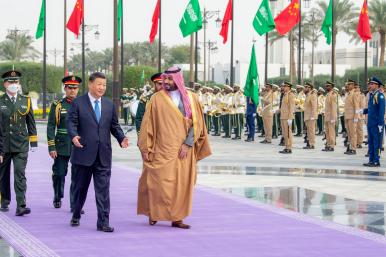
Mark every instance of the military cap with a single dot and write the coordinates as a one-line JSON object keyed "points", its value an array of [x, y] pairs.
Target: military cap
{"points": [[336, 89], [228, 87], [321, 89], [216, 87], [300, 86], [309, 84], [329, 83], [156, 77], [72, 81], [350, 81], [275, 86], [11, 75], [285, 83], [293, 90], [236, 85], [269, 85], [375, 80]]}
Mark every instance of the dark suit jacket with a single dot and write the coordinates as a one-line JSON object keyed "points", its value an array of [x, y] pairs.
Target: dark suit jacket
{"points": [[95, 138]]}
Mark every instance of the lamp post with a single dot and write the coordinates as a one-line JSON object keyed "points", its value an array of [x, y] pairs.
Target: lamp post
{"points": [[211, 48], [306, 5]]}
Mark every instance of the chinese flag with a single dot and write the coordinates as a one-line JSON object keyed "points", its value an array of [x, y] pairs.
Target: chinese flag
{"points": [[363, 29], [288, 18], [225, 22], [76, 18], [154, 20]]}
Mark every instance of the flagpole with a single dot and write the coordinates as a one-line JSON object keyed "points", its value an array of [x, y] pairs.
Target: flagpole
{"points": [[65, 39], [300, 44], [231, 64], [266, 59], [115, 58], [366, 70], [83, 52], [122, 51], [159, 36], [45, 62], [196, 59], [333, 44]]}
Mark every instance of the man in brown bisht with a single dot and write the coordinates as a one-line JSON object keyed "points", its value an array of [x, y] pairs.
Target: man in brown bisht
{"points": [[310, 114], [173, 138], [330, 116], [351, 116], [286, 117]]}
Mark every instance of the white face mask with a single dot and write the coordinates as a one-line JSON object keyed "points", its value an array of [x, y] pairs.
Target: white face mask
{"points": [[13, 88]]}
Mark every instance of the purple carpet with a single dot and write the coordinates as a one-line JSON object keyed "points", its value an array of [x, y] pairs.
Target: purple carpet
{"points": [[222, 225]]}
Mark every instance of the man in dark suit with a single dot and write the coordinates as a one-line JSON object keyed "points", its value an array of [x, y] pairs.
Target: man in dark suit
{"points": [[90, 121]]}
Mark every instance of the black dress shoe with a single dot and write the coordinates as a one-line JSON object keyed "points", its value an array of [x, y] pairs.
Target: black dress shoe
{"points": [[74, 222], [106, 229], [367, 155], [57, 204], [180, 224], [21, 211], [4, 208], [286, 151], [309, 147], [350, 152], [249, 140], [359, 146], [328, 149], [298, 135], [281, 144]]}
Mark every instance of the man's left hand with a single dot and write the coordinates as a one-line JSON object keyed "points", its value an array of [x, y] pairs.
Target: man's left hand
{"points": [[125, 143], [183, 151], [1, 159]]}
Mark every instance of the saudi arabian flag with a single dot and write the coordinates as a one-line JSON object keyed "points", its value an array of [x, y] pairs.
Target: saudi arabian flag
{"points": [[327, 24], [251, 88], [263, 21], [41, 28], [192, 19], [120, 14]]}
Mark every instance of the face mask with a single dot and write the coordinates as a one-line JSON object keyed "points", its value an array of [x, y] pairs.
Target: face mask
{"points": [[13, 88]]}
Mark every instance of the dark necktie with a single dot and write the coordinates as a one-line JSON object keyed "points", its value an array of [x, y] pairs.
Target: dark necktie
{"points": [[13, 99]]}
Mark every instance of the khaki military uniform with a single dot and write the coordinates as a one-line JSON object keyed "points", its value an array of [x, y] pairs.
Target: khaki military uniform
{"points": [[331, 118], [287, 113], [311, 115], [351, 117], [267, 114], [19, 129], [207, 105], [361, 120]]}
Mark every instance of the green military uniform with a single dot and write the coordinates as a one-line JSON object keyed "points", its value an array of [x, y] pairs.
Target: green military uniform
{"points": [[18, 125], [59, 141], [125, 107], [144, 99]]}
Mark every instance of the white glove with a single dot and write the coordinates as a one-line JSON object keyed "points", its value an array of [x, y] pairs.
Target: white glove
{"points": [[254, 115], [355, 120], [360, 111], [333, 121], [312, 118], [380, 128], [289, 123], [33, 149]]}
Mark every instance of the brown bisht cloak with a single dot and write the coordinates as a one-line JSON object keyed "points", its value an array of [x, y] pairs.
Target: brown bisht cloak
{"points": [[165, 189]]}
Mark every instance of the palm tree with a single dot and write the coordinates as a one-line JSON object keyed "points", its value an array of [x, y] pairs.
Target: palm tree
{"points": [[345, 14], [377, 10], [18, 47]]}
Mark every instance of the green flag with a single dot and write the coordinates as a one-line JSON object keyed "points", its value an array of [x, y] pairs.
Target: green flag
{"points": [[192, 19], [41, 28], [143, 78], [251, 88], [120, 14], [263, 21], [327, 24]]}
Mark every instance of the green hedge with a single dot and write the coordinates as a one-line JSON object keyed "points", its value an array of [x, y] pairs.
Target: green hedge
{"points": [[31, 79]]}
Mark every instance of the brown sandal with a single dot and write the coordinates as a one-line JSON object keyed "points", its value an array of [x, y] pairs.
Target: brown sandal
{"points": [[152, 222], [180, 224]]}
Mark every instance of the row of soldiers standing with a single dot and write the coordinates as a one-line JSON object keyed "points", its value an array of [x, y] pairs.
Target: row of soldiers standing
{"points": [[285, 110]]}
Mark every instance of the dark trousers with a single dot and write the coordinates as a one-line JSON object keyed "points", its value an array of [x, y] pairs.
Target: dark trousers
{"points": [[101, 176], [125, 112], [320, 123], [299, 122], [208, 122], [59, 173], [227, 125], [260, 124], [343, 124], [375, 143], [276, 125], [216, 125], [20, 181], [251, 126], [238, 124]]}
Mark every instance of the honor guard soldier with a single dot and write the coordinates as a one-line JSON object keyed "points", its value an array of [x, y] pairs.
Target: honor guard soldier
{"points": [[239, 104], [125, 105], [268, 113], [299, 110], [361, 120], [330, 116], [250, 117], [227, 111], [287, 108], [321, 107], [276, 111], [19, 129], [351, 117], [216, 112], [310, 114], [376, 122], [145, 98], [59, 144], [207, 105]]}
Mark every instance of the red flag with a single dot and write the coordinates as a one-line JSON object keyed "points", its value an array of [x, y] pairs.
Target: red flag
{"points": [[363, 29], [288, 18], [225, 22], [76, 18], [154, 20]]}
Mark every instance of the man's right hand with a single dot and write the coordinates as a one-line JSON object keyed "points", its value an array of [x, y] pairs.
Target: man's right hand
{"points": [[76, 142], [1, 159], [145, 157], [53, 154]]}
